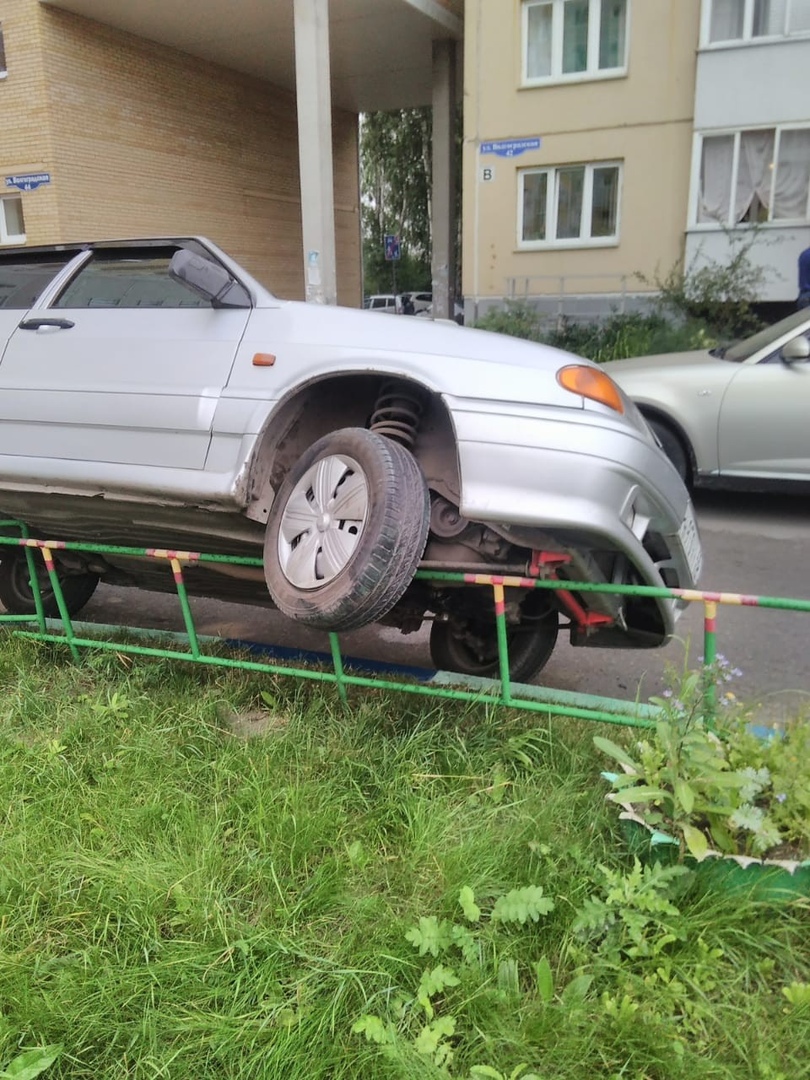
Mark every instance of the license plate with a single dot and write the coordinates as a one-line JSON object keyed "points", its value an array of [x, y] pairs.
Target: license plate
{"points": [[690, 542]]}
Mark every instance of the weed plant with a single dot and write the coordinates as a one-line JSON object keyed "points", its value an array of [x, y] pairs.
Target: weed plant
{"points": [[395, 890]]}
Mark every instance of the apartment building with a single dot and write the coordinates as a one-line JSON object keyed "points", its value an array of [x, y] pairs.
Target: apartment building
{"points": [[225, 118], [606, 139], [750, 179]]}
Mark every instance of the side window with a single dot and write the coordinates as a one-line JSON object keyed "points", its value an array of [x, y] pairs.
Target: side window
{"points": [[128, 280], [21, 283], [12, 225], [2, 54]]}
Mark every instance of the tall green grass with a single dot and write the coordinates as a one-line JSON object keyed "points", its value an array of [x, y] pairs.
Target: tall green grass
{"points": [[180, 900]]}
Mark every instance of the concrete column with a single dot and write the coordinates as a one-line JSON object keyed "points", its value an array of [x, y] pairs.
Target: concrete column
{"points": [[314, 96], [443, 224]]}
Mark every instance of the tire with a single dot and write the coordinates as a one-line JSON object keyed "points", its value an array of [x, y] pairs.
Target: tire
{"points": [[673, 447], [17, 596], [338, 572], [470, 647]]}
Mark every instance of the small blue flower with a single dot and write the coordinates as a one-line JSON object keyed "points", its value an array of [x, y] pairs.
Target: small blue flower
{"points": [[781, 797], [667, 693]]}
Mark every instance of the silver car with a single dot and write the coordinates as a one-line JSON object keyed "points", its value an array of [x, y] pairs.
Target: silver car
{"points": [[734, 416], [152, 393]]}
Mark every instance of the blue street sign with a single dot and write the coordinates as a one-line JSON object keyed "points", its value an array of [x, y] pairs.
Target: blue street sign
{"points": [[392, 248], [511, 147], [29, 181]]}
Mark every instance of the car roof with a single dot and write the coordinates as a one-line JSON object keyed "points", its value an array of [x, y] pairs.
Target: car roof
{"points": [[38, 252]]}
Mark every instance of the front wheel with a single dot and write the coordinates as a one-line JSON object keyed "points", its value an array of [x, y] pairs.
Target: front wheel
{"points": [[17, 595], [346, 531], [673, 447], [469, 645]]}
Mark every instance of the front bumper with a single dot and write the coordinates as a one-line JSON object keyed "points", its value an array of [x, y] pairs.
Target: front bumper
{"points": [[585, 482]]}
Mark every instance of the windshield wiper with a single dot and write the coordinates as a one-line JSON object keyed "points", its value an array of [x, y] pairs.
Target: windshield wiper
{"points": [[719, 351]]}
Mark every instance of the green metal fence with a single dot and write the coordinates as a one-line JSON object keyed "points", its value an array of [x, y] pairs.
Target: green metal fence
{"points": [[202, 650]]}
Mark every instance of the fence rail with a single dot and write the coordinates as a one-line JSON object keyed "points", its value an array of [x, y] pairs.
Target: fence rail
{"points": [[502, 691]]}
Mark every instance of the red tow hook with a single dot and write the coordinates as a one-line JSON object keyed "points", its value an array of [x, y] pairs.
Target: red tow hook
{"points": [[549, 561]]}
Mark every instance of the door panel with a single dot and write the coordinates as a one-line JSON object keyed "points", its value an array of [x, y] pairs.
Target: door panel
{"points": [[764, 421], [132, 375]]}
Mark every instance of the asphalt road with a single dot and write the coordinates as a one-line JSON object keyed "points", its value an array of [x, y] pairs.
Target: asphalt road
{"points": [[753, 544]]}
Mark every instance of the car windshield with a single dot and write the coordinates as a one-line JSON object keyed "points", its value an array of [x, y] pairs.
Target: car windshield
{"points": [[741, 350]]}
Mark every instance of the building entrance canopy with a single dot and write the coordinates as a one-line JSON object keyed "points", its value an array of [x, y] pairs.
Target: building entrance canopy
{"points": [[380, 51]]}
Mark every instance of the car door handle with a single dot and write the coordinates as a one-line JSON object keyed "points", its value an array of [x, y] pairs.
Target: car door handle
{"points": [[57, 324]]}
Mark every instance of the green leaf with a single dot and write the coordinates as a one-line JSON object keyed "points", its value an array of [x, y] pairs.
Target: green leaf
{"points": [[696, 842], [612, 750], [520, 905], [487, 1071], [31, 1063], [577, 989], [472, 912], [685, 795], [430, 936], [436, 981], [641, 794], [545, 980], [374, 1030], [427, 1042]]}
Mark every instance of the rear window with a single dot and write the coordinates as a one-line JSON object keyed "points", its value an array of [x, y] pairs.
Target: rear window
{"points": [[21, 283]]}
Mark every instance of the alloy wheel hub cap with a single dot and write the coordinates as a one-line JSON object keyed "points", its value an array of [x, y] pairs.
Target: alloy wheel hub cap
{"points": [[323, 522]]}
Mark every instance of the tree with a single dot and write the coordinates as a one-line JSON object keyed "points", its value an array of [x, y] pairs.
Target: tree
{"points": [[395, 179]]}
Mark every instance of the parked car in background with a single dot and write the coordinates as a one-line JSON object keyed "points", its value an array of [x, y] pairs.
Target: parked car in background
{"points": [[389, 303], [154, 394], [421, 300], [733, 416]]}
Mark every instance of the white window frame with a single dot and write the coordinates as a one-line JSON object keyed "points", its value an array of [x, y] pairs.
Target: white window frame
{"points": [[584, 240], [5, 236], [697, 160], [748, 28], [593, 71]]}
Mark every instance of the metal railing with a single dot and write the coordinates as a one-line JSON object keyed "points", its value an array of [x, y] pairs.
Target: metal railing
{"points": [[572, 296], [502, 691]]}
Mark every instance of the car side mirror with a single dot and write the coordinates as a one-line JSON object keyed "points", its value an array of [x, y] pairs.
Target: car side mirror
{"points": [[208, 279], [797, 348]]}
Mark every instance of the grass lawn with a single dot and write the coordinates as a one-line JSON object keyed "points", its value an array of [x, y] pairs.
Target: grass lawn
{"points": [[209, 874]]}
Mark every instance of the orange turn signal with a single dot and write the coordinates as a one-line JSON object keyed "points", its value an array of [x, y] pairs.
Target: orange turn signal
{"points": [[263, 359], [591, 383]]}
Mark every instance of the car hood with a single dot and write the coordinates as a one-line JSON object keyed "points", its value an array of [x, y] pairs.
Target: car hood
{"points": [[454, 360], [660, 362]]}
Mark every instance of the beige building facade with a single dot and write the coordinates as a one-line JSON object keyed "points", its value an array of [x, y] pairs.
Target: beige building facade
{"points": [[577, 147]]}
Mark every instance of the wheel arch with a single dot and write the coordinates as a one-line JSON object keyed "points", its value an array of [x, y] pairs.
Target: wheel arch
{"points": [[650, 412], [348, 400]]}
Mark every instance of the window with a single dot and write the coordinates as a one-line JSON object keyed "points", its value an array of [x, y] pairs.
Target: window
{"points": [[12, 226], [22, 282], [569, 205], [747, 20], [2, 54], [754, 176], [126, 280], [573, 39]]}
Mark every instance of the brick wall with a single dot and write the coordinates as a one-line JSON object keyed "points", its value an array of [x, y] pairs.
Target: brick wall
{"points": [[143, 140], [25, 145]]}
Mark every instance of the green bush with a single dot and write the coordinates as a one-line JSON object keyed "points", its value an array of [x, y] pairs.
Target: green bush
{"points": [[615, 338], [695, 307], [516, 318]]}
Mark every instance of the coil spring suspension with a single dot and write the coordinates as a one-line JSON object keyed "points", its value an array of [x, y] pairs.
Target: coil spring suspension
{"points": [[398, 413]]}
